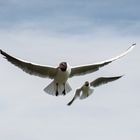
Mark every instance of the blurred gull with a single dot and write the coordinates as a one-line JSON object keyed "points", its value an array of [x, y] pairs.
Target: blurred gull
{"points": [[87, 89]]}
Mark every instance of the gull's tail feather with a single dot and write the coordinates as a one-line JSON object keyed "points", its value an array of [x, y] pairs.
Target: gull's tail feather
{"points": [[67, 87], [51, 88], [57, 89]]}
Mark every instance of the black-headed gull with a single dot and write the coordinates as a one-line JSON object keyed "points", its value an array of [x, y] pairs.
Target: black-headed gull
{"points": [[87, 89], [60, 74]]}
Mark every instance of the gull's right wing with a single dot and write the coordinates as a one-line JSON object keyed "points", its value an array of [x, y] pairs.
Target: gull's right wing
{"points": [[31, 68], [85, 69], [103, 80]]}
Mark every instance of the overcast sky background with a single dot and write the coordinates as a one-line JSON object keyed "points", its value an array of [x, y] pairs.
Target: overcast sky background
{"points": [[79, 32]]}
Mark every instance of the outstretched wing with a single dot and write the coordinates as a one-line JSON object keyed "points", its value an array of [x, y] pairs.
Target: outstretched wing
{"points": [[85, 69], [30, 68], [77, 94], [103, 80]]}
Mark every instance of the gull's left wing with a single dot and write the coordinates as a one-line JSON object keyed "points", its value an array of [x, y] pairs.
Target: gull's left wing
{"points": [[85, 69], [103, 80], [31, 68], [77, 94]]}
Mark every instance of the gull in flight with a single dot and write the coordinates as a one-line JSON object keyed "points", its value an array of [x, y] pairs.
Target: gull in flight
{"points": [[60, 74], [88, 88]]}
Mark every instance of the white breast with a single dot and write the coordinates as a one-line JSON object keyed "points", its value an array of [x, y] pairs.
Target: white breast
{"points": [[86, 91], [62, 76]]}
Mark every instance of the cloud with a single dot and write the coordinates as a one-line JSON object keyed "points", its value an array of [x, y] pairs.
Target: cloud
{"points": [[70, 17]]}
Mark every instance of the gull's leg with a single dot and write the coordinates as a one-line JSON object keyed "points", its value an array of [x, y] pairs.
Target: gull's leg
{"points": [[56, 89], [64, 91]]}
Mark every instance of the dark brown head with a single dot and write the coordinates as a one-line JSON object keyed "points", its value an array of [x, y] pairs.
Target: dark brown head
{"points": [[86, 83], [63, 66]]}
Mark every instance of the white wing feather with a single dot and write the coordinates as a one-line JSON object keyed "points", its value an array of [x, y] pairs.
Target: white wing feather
{"points": [[85, 69], [31, 68]]}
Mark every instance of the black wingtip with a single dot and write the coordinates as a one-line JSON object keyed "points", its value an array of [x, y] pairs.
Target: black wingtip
{"points": [[133, 44], [5, 55], [69, 104], [118, 77], [2, 52]]}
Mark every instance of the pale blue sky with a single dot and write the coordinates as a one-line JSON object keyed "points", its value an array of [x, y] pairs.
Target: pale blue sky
{"points": [[80, 32], [75, 16]]}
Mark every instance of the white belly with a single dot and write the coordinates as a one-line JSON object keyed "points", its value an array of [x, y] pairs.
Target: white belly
{"points": [[86, 91], [62, 76]]}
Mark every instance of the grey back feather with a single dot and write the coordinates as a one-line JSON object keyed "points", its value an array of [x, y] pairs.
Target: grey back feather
{"points": [[30, 68], [103, 80]]}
